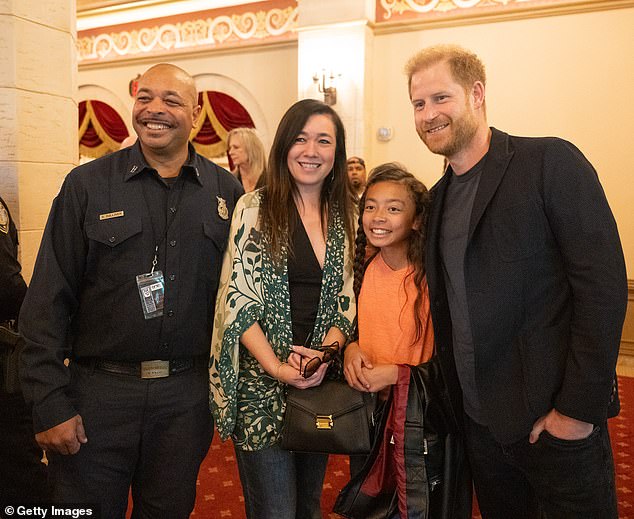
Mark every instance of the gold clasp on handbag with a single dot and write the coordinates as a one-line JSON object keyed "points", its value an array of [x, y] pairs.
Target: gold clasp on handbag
{"points": [[323, 421]]}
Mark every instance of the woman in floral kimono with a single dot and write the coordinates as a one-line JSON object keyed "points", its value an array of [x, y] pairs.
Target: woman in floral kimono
{"points": [[286, 281]]}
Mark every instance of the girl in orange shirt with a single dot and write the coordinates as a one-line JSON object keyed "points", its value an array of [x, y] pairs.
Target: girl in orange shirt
{"points": [[394, 322], [427, 478]]}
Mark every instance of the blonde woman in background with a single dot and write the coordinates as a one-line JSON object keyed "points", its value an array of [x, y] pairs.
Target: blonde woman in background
{"points": [[246, 151]]}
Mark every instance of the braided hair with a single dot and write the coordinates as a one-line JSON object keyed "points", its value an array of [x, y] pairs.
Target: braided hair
{"points": [[365, 253]]}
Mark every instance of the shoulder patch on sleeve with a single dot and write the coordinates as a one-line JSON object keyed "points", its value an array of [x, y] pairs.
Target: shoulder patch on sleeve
{"points": [[4, 219]]}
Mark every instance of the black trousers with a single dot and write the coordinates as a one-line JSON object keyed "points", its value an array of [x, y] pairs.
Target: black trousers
{"points": [[22, 474], [551, 479], [150, 435]]}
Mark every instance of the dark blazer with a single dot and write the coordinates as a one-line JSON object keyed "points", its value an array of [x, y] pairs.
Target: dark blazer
{"points": [[546, 286]]}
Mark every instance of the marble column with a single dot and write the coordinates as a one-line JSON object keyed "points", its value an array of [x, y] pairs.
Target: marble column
{"points": [[38, 111]]}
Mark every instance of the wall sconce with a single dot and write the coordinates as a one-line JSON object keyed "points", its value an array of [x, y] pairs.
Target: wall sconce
{"points": [[133, 85], [327, 88]]}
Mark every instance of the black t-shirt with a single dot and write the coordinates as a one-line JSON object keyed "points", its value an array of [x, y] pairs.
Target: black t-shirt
{"points": [[454, 232]]}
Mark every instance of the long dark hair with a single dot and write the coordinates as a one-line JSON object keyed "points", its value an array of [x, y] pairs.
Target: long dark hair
{"points": [[394, 172], [276, 221]]}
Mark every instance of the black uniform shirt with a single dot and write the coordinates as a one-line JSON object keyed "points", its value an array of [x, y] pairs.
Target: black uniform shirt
{"points": [[12, 286], [104, 226]]}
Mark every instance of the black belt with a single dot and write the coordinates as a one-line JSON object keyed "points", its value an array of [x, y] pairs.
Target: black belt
{"points": [[144, 369]]}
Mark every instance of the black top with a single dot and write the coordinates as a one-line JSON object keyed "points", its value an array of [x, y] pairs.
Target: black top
{"points": [[454, 230], [304, 280], [104, 226], [12, 286]]}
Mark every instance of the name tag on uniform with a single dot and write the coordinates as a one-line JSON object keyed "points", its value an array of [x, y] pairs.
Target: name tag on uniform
{"points": [[152, 292], [107, 216]]}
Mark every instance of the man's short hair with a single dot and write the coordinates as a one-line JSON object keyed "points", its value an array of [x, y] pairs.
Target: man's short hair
{"points": [[466, 68], [353, 160]]}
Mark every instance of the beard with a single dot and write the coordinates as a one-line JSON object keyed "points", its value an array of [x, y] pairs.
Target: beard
{"points": [[462, 130]]}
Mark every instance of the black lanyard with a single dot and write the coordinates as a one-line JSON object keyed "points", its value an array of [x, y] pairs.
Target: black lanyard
{"points": [[180, 185]]}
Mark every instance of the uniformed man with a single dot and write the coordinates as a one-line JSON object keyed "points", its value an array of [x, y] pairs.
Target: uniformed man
{"points": [[22, 473], [124, 286], [12, 286]]}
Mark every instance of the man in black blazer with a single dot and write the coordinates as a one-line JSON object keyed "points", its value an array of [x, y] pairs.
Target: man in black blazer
{"points": [[528, 289]]}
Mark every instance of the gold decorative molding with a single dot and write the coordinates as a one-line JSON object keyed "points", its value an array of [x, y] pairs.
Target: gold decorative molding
{"points": [[403, 15], [218, 28], [428, 6]]}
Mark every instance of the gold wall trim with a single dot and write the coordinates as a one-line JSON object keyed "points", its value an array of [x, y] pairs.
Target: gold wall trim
{"points": [[150, 59], [208, 30], [485, 11]]}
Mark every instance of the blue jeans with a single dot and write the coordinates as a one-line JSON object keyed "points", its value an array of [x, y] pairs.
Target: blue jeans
{"points": [[550, 479], [279, 484]]}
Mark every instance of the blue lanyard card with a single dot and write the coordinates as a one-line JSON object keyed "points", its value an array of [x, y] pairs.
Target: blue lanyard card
{"points": [[152, 291]]}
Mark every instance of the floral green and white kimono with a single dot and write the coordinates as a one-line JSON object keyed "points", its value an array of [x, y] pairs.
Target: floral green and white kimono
{"points": [[247, 403]]}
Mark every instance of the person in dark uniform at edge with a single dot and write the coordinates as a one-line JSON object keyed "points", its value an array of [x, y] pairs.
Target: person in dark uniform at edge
{"points": [[124, 287], [22, 473]]}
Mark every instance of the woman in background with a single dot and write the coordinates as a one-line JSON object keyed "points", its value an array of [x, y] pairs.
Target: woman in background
{"points": [[286, 280], [246, 151]]}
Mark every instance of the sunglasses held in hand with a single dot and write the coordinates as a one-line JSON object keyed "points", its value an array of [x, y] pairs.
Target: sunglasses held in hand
{"points": [[311, 367]]}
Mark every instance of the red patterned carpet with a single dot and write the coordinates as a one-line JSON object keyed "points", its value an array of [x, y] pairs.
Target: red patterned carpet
{"points": [[622, 437], [220, 494]]}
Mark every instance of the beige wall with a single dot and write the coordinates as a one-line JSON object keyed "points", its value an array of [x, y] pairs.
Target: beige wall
{"points": [[38, 113], [571, 76]]}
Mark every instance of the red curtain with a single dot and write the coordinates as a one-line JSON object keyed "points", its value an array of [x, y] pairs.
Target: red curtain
{"points": [[110, 121], [82, 112], [220, 114], [90, 137], [101, 128], [229, 112], [206, 135]]}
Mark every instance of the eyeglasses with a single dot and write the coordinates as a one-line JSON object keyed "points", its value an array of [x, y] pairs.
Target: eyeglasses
{"points": [[329, 352]]}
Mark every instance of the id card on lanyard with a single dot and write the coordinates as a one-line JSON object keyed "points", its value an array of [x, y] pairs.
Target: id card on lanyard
{"points": [[151, 288]]}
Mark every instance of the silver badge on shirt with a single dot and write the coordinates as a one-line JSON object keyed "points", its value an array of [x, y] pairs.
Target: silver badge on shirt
{"points": [[4, 219]]}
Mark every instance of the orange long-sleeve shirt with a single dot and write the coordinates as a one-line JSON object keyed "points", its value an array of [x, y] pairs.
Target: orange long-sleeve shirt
{"points": [[386, 316]]}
